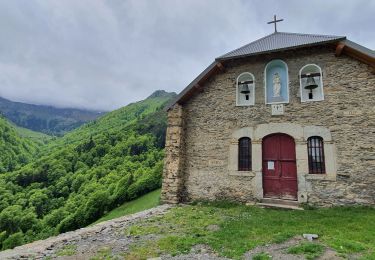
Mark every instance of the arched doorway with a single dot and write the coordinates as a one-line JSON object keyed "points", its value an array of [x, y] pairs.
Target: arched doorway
{"points": [[279, 167]]}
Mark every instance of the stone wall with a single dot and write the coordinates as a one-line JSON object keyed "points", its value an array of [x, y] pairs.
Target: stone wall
{"points": [[172, 177], [210, 118]]}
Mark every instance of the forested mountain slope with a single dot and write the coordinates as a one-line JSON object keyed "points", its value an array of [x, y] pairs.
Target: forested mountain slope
{"points": [[84, 174], [15, 150], [133, 114], [45, 119]]}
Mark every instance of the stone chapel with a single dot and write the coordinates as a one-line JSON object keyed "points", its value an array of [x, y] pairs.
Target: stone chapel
{"points": [[288, 117]]}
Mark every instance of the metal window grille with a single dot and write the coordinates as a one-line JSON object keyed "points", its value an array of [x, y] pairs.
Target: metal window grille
{"points": [[244, 154], [315, 148]]}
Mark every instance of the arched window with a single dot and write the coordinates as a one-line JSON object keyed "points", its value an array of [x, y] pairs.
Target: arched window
{"points": [[245, 95], [315, 149], [244, 154], [311, 83]]}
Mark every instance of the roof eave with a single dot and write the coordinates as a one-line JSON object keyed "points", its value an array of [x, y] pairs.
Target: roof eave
{"points": [[357, 51], [214, 66]]}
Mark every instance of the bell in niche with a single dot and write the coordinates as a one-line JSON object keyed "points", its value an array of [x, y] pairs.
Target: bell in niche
{"points": [[244, 89], [311, 84]]}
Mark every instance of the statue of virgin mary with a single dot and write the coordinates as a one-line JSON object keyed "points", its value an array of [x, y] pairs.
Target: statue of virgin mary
{"points": [[276, 85]]}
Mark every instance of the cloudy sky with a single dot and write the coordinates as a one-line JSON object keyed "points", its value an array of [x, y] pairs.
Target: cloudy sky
{"points": [[99, 54]]}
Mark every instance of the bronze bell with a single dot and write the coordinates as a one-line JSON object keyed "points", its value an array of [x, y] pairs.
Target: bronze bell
{"points": [[244, 88], [310, 83]]}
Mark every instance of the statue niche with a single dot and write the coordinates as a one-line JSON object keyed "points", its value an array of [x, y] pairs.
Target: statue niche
{"points": [[276, 81], [276, 85]]}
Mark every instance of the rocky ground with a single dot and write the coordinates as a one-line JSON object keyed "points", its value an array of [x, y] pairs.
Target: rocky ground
{"points": [[84, 243], [107, 240]]}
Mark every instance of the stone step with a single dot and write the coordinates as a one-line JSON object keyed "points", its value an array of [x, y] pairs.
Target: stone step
{"points": [[280, 201], [278, 206]]}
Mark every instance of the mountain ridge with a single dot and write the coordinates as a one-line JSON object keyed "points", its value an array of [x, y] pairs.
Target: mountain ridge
{"points": [[46, 119], [162, 93]]}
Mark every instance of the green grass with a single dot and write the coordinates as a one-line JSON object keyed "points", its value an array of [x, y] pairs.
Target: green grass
{"points": [[104, 253], [242, 228], [147, 201], [309, 250], [262, 256], [33, 135], [67, 250], [369, 256]]}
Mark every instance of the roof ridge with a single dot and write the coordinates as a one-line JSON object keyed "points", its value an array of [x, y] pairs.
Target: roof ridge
{"points": [[311, 34], [246, 45]]}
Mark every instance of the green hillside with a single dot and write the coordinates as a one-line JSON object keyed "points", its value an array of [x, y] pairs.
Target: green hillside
{"points": [[85, 174], [133, 114], [16, 150], [33, 135], [147, 201]]}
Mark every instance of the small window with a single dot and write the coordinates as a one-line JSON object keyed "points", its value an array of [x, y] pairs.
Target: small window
{"points": [[311, 83], [245, 95], [315, 148], [244, 154]]}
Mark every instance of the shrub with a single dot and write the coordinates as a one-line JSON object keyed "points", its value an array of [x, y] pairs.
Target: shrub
{"points": [[13, 240]]}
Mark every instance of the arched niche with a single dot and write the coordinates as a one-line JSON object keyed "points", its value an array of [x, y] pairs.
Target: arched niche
{"points": [[276, 82], [245, 89], [311, 75]]}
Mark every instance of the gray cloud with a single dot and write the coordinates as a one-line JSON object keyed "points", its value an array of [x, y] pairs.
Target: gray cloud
{"points": [[105, 54]]}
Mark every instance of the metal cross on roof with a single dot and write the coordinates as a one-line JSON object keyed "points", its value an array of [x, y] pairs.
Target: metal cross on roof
{"points": [[275, 21]]}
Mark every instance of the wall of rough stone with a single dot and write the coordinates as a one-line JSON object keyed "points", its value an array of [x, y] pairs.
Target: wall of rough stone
{"points": [[210, 118], [172, 180]]}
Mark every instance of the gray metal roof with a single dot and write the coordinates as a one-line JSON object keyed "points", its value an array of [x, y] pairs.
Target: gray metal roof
{"points": [[280, 41]]}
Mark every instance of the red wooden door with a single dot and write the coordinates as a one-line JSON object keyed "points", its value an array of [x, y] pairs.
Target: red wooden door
{"points": [[279, 167]]}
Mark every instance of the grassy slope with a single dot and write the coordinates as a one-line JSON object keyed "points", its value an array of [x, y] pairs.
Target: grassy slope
{"points": [[33, 135], [147, 201], [242, 228]]}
